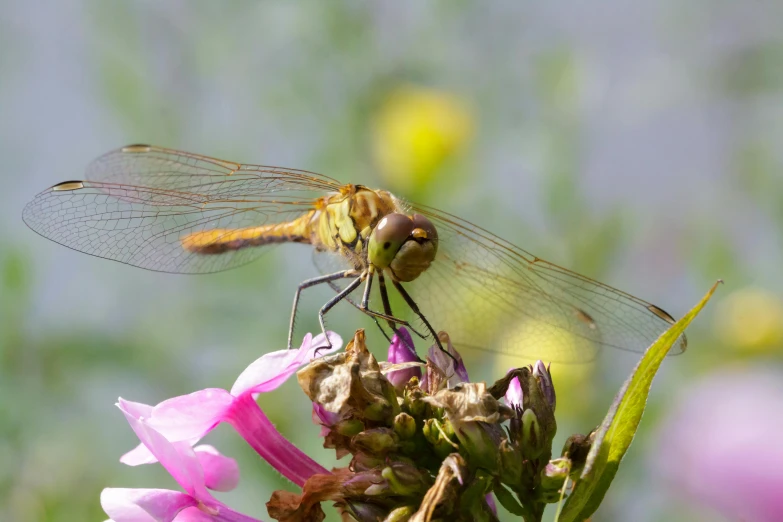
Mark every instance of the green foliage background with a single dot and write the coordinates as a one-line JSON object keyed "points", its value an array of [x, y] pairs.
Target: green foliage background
{"points": [[637, 143]]}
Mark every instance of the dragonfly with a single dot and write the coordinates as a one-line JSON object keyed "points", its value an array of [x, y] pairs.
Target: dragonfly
{"points": [[173, 211]]}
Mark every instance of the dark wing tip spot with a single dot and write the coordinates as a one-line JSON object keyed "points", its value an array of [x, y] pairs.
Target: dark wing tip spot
{"points": [[68, 185], [661, 313], [137, 147]]}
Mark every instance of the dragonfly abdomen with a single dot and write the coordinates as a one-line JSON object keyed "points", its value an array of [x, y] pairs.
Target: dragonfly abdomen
{"points": [[220, 240]]}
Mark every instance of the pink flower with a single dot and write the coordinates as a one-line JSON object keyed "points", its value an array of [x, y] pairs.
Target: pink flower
{"points": [[193, 472], [720, 446], [188, 418]]}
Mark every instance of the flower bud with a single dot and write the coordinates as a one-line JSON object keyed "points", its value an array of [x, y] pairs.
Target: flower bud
{"points": [[449, 365], [349, 427], [554, 474], [404, 426], [364, 462], [378, 441], [544, 378], [406, 479], [510, 464], [401, 514], [439, 435], [362, 511], [513, 395], [481, 448], [531, 439], [402, 350]]}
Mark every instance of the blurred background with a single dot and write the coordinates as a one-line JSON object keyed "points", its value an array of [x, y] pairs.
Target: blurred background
{"points": [[637, 142]]}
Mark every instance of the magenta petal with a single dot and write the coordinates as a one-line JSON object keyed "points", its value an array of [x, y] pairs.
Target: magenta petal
{"points": [[514, 393], [137, 409], [221, 514], [184, 418], [324, 418], [179, 460], [250, 422], [137, 456], [273, 369], [194, 514], [401, 351], [221, 473], [190, 417], [490, 498], [141, 455], [401, 348], [142, 505]]}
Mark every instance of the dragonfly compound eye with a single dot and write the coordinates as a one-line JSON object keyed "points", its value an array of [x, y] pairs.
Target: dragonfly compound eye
{"points": [[387, 237], [404, 245], [424, 230]]}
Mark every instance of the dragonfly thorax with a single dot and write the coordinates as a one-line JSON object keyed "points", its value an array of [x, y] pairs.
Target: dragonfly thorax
{"points": [[404, 245]]}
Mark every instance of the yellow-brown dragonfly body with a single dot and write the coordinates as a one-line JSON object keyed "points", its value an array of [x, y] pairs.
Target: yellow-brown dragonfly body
{"points": [[174, 211]]}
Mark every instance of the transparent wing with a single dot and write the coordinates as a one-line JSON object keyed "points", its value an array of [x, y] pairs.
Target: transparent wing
{"points": [[489, 294], [139, 202]]}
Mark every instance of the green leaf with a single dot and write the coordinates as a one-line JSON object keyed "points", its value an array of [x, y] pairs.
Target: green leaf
{"points": [[616, 432], [508, 501]]}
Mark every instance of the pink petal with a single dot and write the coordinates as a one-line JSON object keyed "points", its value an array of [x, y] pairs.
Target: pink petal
{"points": [[137, 456], [222, 514], [178, 459], [194, 514], [184, 418], [221, 473], [141, 455], [144, 505], [250, 422], [324, 418], [514, 393], [137, 409], [190, 416], [272, 369]]}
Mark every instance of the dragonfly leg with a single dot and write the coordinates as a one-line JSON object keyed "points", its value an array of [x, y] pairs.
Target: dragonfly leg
{"points": [[307, 284], [408, 299], [388, 310], [363, 306], [353, 285]]}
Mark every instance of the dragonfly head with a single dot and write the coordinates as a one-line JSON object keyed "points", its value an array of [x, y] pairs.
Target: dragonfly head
{"points": [[406, 245]]}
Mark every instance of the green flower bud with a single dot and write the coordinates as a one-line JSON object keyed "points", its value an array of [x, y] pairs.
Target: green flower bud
{"points": [[554, 475], [510, 464], [480, 448], [400, 514], [362, 511], [531, 439], [406, 479], [378, 441], [404, 426], [440, 435], [378, 411], [364, 462], [349, 428]]}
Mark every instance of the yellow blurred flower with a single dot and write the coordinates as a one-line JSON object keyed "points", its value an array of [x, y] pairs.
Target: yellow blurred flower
{"points": [[751, 319], [415, 131]]}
